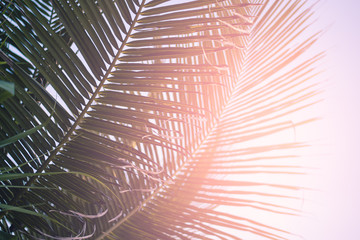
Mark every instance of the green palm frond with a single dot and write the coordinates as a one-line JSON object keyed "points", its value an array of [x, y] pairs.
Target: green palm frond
{"points": [[146, 109]]}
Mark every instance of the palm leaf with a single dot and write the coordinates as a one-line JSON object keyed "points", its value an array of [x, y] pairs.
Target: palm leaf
{"points": [[153, 102]]}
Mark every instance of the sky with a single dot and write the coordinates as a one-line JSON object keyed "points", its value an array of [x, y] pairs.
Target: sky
{"points": [[332, 212], [338, 211]]}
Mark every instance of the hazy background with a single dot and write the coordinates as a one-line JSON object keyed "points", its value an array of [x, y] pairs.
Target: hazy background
{"points": [[338, 210]]}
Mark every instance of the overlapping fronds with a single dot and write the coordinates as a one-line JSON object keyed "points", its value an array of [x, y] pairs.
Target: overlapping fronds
{"points": [[145, 110]]}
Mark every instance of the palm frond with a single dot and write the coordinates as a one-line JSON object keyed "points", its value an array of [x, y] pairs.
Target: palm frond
{"points": [[154, 103]]}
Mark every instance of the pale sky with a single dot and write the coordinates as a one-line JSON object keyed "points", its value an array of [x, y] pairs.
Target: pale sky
{"points": [[339, 209], [334, 211]]}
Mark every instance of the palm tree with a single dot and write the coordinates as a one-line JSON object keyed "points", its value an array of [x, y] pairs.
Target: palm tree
{"points": [[130, 119]]}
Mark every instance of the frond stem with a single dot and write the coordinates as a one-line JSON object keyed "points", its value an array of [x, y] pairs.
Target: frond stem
{"points": [[179, 170], [67, 137]]}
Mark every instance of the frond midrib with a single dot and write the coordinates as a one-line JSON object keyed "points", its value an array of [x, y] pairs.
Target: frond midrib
{"points": [[68, 135], [187, 160]]}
